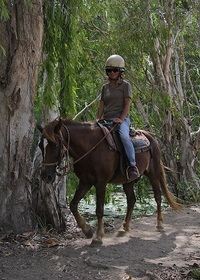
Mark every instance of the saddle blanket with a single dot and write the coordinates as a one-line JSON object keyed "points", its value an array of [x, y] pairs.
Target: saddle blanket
{"points": [[140, 141]]}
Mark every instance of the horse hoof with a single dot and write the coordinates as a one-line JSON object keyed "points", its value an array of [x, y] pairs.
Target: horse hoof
{"points": [[160, 228], [89, 233], [96, 242], [121, 233]]}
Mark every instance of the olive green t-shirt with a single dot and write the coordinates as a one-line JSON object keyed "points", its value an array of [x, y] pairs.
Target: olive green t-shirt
{"points": [[114, 99]]}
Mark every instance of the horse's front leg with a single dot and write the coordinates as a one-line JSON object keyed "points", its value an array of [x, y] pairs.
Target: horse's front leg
{"points": [[100, 196], [130, 197], [79, 194]]}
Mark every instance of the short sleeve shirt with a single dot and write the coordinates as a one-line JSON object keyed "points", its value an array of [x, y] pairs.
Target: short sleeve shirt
{"points": [[114, 99]]}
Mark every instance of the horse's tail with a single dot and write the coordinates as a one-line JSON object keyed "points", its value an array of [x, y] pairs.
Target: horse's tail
{"points": [[168, 195]]}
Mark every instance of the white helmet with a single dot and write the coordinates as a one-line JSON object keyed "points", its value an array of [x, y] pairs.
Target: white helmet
{"points": [[115, 61]]}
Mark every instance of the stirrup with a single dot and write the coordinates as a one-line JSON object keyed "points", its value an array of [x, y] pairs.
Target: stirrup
{"points": [[135, 173]]}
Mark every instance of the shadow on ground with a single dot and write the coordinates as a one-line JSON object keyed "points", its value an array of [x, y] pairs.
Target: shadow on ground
{"points": [[144, 254]]}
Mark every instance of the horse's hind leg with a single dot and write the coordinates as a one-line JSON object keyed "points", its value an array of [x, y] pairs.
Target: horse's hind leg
{"points": [[157, 195], [130, 197], [79, 194]]}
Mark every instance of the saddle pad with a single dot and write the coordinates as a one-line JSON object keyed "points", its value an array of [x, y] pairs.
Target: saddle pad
{"points": [[109, 137], [140, 142]]}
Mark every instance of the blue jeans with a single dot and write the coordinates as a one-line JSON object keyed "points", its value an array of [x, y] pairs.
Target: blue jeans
{"points": [[126, 140]]}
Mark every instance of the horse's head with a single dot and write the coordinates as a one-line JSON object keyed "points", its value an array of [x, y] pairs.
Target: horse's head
{"points": [[51, 147]]}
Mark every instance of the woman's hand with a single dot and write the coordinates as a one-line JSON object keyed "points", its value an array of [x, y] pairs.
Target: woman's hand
{"points": [[117, 120]]}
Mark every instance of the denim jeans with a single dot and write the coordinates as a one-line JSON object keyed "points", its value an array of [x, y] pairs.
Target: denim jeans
{"points": [[126, 140]]}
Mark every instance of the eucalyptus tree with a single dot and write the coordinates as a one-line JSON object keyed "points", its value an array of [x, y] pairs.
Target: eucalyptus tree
{"points": [[21, 48], [21, 33]]}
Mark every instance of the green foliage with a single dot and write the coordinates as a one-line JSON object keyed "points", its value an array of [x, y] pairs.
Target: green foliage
{"points": [[3, 10], [142, 189], [195, 273], [188, 192], [3, 50], [72, 183], [27, 2], [73, 39], [61, 54]]}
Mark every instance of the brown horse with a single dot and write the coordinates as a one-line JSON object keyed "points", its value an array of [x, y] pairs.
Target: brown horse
{"points": [[95, 164]]}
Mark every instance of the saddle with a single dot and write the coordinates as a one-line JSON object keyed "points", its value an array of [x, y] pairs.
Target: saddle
{"points": [[140, 141]]}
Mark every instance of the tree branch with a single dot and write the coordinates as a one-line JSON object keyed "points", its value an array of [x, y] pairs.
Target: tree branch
{"points": [[86, 106], [196, 136]]}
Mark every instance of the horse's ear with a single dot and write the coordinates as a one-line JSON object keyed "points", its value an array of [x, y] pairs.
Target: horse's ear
{"points": [[58, 126], [39, 127]]}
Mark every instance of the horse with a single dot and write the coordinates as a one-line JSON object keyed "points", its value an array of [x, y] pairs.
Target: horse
{"points": [[96, 164]]}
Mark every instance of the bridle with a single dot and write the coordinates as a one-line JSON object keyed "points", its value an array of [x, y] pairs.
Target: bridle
{"points": [[63, 163], [64, 157]]}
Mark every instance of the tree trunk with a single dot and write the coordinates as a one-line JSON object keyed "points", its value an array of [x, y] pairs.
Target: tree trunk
{"points": [[49, 200], [21, 39]]}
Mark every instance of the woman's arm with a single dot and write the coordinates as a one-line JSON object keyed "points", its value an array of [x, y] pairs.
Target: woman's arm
{"points": [[100, 110], [126, 108]]}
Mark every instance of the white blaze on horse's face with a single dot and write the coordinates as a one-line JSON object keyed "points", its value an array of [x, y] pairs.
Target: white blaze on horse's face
{"points": [[45, 143]]}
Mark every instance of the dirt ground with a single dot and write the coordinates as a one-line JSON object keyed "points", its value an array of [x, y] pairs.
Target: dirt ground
{"points": [[145, 254]]}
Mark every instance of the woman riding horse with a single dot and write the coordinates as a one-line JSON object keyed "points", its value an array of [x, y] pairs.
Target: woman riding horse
{"points": [[115, 105]]}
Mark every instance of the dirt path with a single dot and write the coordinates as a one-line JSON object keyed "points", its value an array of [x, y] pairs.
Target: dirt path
{"points": [[144, 254]]}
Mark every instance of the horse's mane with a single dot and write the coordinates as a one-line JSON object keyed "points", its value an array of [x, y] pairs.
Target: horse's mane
{"points": [[70, 122], [49, 129], [73, 122]]}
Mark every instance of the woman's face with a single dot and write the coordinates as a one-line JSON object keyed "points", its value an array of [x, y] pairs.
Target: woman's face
{"points": [[113, 74]]}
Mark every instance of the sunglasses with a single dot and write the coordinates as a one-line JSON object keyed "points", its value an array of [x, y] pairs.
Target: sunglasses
{"points": [[112, 70]]}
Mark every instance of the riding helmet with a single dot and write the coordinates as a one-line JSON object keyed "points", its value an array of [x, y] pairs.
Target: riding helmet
{"points": [[115, 61]]}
